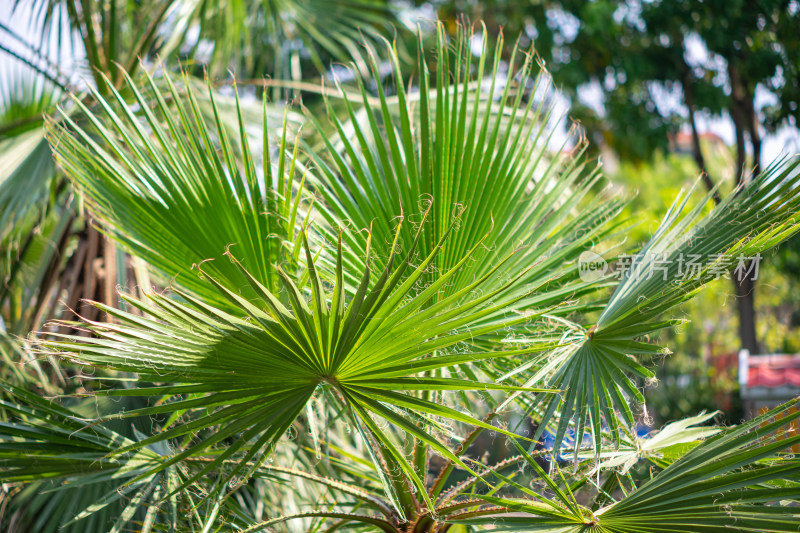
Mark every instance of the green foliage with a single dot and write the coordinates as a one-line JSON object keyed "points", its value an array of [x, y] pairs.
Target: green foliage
{"points": [[704, 348], [53, 442], [294, 39], [343, 313], [702, 490]]}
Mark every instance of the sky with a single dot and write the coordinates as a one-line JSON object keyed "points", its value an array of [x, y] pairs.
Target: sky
{"points": [[69, 60]]}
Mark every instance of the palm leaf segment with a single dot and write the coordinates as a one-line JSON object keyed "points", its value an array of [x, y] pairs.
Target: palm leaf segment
{"points": [[474, 146], [262, 365], [26, 163], [161, 189], [45, 442], [281, 38]]}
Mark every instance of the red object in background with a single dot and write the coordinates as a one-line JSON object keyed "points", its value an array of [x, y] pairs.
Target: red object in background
{"points": [[774, 371], [724, 362]]}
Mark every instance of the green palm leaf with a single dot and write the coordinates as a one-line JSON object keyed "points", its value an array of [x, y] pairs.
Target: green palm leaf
{"points": [[598, 369], [159, 186], [278, 38], [26, 164], [261, 365], [53, 446], [479, 282], [668, 444], [737, 480], [474, 143]]}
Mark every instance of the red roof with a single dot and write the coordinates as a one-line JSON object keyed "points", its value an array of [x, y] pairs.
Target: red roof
{"points": [[774, 371]]}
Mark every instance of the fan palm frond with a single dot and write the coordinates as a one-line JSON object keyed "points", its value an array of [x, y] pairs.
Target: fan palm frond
{"points": [[417, 256], [597, 368], [263, 364], [183, 202], [55, 448], [26, 164], [476, 143]]}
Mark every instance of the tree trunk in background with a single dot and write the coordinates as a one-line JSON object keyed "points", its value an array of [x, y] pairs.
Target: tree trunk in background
{"points": [[755, 137], [744, 121], [697, 150], [741, 153], [745, 301]]}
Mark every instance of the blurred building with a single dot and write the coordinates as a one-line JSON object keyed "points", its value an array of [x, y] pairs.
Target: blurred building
{"points": [[766, 381], [681, 142]]}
